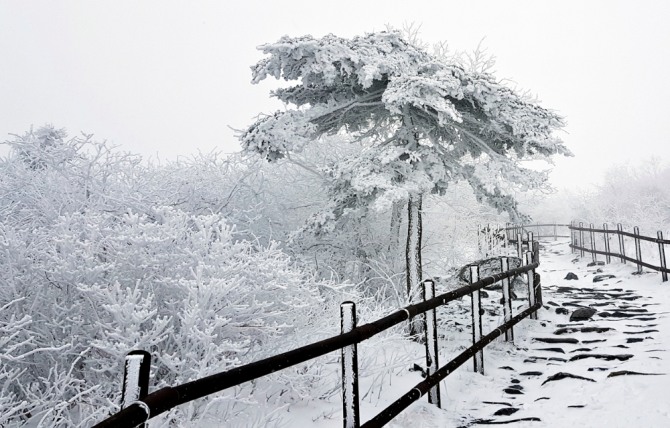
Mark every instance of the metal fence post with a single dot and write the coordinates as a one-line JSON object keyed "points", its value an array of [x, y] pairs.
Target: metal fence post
{"points": [[350, 410], [607, 243], [638, 249], [136, 371], [507, 299], [622, 247], [530, 277], [661, 255], [432, 360], [592, 236], [581, 239], [477, 312]]}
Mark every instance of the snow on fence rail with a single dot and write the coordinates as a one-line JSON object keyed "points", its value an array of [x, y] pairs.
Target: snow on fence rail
{"points": [[578, 242], [148, 406]]}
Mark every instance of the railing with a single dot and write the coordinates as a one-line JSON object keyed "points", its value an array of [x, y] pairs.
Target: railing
{"points": [[540, 231], [148, 406], [578, 242]]}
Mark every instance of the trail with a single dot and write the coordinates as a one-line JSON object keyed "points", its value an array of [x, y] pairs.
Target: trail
{"points": [[608, 368]]}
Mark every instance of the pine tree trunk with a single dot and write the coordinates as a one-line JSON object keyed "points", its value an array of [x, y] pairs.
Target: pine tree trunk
{"points": [[413, 254], [396, 221]]}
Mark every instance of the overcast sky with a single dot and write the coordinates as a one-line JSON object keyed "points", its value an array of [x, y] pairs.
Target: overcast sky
{"points": [[170, 78]]}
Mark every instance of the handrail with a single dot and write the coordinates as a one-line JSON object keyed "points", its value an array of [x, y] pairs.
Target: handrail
{"points": [[169, 397], [578, 244]]}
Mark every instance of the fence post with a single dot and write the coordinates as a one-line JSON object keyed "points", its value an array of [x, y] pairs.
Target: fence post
{"points": [[581, 239], [638, 249], [573, 241], [531, 238], [555, 233], [507, 299], [592, 236], [432, 361], [476, 299], [136, 378], [530, 277], [607, 243], [519, 245], [350, 411], [622, 247], [536, 252], [661, 255]]}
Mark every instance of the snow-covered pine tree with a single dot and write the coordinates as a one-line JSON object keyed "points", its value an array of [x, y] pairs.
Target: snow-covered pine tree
{"points": [[425, 124]]}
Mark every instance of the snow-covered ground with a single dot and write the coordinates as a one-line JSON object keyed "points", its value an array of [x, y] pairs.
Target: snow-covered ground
{"points": [[629, 308]]}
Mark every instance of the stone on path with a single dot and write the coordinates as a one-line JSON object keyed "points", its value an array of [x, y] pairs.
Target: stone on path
{"points": [[606, 357], [629, 373], [601, 278], [571, 276], [582, 314], [582, 330], [505, 411], [563, 375], [599, 263], [571, 340]]}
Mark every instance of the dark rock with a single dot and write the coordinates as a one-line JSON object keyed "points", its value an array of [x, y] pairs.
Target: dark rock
{"points": [[622, 346], [641, 332], [582, 314], [601, 278], [594, 341], [552, 303], [571, 340], [599, 270], [484, 294], [531, 373], [515, 381], [563, 375], [505, 411], [559, 350], [501, 403], [571, 276], [506, 368], [634, 339], [582, 329], [630, 373], [606, 357], [581, 350], [562, 311], [512, 391], [542, 398], [598, 369], [576, 406], [517, 387], [616, 314], [508, 421], [598, 263]]}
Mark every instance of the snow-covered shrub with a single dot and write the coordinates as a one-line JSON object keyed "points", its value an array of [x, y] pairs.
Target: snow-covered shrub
{"points": [[94, 264]]}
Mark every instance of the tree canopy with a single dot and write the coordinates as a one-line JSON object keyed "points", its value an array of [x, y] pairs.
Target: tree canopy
{"points": [[426, 123]]}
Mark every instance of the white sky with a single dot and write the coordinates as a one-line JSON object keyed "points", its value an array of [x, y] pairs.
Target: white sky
{"points": [[168, 78]]}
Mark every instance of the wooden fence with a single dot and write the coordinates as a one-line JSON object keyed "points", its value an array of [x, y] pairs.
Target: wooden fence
{"points": [[584, 240], [139, 407]]}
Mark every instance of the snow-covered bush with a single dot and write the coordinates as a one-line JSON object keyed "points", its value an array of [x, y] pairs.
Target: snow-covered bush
{"points": [[92, 269]]}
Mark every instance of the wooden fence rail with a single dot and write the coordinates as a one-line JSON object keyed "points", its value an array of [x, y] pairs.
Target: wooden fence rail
{"points": [[148, 406], [578, 242]]}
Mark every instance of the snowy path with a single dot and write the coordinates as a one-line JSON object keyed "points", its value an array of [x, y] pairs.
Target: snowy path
{"points": [[568, 373], [524, 384]]}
